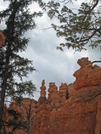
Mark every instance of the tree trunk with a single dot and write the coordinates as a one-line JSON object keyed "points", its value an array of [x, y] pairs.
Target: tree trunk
{"points": [[5, 77], [2, 103], [4, 87]]}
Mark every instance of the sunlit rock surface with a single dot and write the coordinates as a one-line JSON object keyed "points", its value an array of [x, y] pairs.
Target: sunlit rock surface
{"points": [[88, 75]]}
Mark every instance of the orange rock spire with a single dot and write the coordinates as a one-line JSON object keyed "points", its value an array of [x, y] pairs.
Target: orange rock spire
{"points": [[62, 91], [43, 88]]}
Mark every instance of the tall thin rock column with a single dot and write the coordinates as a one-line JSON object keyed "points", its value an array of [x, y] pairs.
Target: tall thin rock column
{"points": [[43, 88], [50, 90], [62, 91]]}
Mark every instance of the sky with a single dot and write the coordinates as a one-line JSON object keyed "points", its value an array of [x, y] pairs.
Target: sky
{"points": [[53, 65]]}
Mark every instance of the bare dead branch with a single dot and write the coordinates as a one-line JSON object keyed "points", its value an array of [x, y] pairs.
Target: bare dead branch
{"points": [[95, 61]]}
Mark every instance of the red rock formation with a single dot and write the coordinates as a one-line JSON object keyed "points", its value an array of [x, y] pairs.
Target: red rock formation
{"points": [[43, 88], [87, 75], [84, 61], [53, 93], [80, 114], [2, 38], [98, 117], [77, 115], [43, 113], [71, 90], [62, 91]]}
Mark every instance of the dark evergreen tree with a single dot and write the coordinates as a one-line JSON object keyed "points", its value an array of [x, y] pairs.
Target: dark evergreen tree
{"points": [[80, 27], [22, 120], [29, 115], [18, 20], [13, 121]]}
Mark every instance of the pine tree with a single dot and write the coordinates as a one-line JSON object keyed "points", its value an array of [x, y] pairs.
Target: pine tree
{"points": [[80, 27], [18, 20]]}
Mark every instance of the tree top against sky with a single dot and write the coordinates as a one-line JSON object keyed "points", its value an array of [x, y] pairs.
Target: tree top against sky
{"points": [[80, 28]]}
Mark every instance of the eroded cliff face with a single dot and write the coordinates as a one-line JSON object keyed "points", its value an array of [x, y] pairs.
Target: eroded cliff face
{"points": [[80, 113], [77, 115], [74, 108]]}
